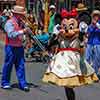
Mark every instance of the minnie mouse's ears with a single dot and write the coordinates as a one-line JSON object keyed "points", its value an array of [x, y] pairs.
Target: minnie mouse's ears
{"points": [[85, 16]]}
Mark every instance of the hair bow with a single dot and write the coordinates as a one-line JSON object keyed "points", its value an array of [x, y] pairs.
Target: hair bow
{"points": [[72, 13]]}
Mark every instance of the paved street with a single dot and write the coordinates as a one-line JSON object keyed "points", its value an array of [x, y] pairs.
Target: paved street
{"points": [[41, 91]]}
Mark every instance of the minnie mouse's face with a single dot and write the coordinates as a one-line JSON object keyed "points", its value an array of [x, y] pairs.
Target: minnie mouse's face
{"points": [[73, 24], [69, 25]]}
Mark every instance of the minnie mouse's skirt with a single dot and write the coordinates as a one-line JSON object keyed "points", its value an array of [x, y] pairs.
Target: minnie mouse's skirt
{"points": [[66, 70]]}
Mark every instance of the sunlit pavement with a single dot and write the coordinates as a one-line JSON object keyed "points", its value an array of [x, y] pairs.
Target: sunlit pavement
{"points": [[40, 90]]}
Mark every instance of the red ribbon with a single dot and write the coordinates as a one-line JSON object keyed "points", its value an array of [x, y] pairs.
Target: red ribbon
{"points": [[72, 13], [68, 49]]}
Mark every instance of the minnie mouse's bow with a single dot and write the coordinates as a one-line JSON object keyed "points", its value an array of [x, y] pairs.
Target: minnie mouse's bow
{"points": [[72, 13]]}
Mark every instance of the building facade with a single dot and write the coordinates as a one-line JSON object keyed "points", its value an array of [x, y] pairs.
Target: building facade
{"points": [[35, 5], [68, 4]]}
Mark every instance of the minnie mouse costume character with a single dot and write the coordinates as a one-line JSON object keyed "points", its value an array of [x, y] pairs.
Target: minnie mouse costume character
{"points": [[65, 69]]}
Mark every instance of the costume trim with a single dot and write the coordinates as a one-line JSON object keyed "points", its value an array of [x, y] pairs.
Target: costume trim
{"points": [[74, 81]]}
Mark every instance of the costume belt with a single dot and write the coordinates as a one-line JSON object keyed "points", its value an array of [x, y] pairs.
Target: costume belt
{"points": [[69, 49]]}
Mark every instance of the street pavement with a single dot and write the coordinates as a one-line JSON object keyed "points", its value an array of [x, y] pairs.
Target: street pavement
{"points": [[40, 90]]}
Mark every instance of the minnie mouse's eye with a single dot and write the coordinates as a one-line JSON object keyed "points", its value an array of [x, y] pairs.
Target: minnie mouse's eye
{"points": [[64, 25], [71, 26]]}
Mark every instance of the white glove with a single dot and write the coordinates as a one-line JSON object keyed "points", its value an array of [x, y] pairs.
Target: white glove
{"points": [[83, 27], [98, 24]]}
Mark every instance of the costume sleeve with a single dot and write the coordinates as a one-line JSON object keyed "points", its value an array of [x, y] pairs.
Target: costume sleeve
{"points": [[97, 30], [9, 28], [91, 29], [98, 24]]}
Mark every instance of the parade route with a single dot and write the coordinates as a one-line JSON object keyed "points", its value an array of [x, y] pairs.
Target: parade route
{"points": [[40, 90]]}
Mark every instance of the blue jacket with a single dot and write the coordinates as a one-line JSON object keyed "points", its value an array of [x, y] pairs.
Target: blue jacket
{"points": [[93, 35]]}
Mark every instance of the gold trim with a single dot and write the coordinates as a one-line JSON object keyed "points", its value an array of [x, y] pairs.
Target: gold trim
{"points": [[71, 81]]}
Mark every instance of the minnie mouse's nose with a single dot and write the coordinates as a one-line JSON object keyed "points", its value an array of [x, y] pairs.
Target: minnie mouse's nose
{"points": [[66, 30]]}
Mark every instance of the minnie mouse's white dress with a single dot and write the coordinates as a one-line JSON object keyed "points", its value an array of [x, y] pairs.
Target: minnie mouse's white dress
{"points": [[67, 69]]}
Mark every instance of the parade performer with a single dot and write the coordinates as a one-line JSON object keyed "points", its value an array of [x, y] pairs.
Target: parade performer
{"points": [[93, 45], [14, 51], [65, 69]]}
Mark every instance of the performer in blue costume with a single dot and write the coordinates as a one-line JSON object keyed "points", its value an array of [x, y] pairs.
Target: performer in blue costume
{"points": [[93, 44]]}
